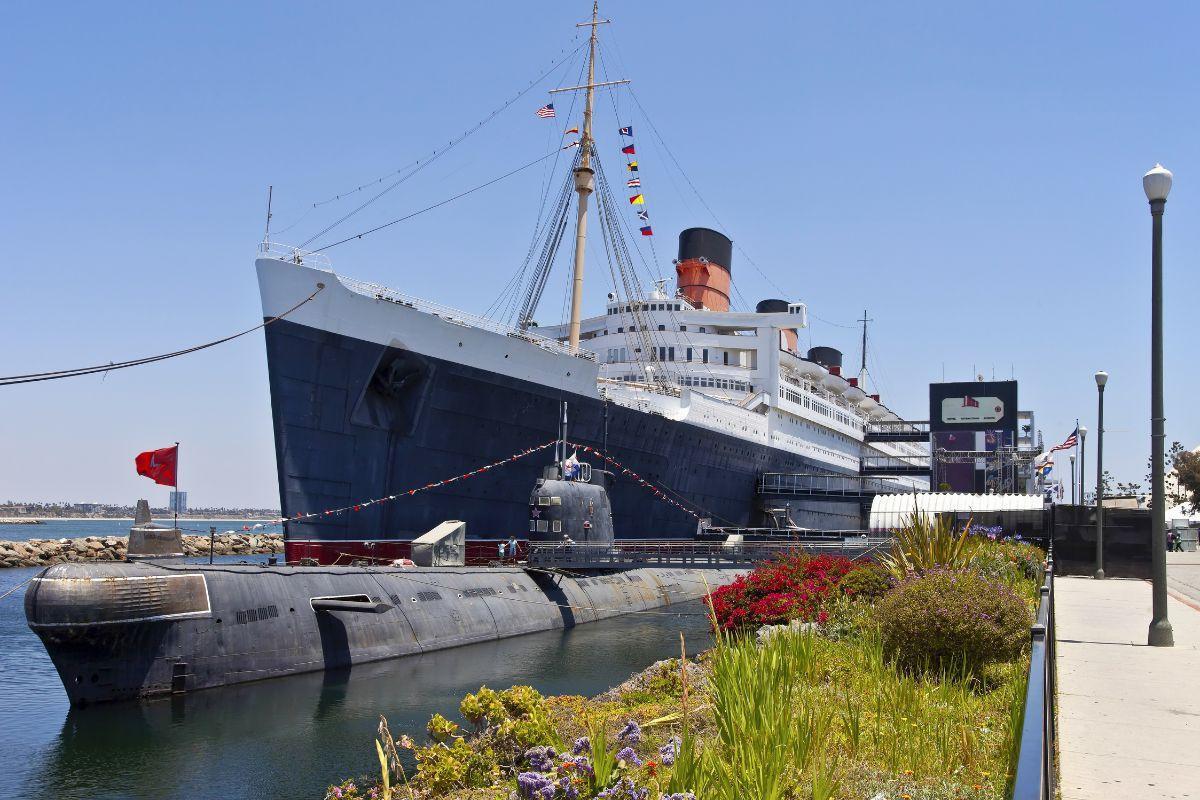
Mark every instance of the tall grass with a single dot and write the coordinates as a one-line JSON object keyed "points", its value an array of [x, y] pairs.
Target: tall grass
{"points": [[797, 714]]}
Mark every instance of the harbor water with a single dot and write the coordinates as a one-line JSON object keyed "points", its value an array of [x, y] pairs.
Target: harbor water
{"points": [[289, 737]]}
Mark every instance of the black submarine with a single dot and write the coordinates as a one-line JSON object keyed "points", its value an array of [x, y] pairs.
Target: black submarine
{"points": [[156, 624]]}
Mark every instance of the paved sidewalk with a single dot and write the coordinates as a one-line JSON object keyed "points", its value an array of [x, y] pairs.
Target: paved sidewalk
{"points": [[1129, 714]]}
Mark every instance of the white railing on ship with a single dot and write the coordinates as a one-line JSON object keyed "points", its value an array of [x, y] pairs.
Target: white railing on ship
{"points": [[285, 252], [457, 317]]}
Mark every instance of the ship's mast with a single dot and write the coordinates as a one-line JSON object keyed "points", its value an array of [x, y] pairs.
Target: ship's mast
{"points": [[584, 174]]}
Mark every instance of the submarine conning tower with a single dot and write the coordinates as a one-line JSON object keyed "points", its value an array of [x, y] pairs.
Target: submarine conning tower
{"points": [[702, 271], [578, 509]]}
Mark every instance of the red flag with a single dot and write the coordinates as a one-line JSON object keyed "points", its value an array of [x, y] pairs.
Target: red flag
{"points": [[159, 465], [628, 150]]}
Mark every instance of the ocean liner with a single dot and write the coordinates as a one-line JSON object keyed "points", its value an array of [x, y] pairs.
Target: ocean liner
{"points": [[374, 390]]}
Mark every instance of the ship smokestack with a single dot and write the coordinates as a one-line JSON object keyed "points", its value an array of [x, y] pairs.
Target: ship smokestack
{"points": [[789, 340], [702, 269]]}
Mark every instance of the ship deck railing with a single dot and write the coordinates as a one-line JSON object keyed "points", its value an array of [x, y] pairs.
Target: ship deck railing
{"points": [[452, 315], [632, 554], [285, 252]]}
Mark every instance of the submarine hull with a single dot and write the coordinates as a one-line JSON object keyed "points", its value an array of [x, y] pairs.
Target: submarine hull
{"points": [[119, 631]]}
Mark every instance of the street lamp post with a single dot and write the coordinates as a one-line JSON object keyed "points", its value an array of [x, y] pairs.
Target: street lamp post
{"points": [[1072, 457], [1082, 462], [1157, 184], [1101, 379]]}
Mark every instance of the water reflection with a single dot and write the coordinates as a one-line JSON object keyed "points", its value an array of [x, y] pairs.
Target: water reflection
{"points": [[289, 738]]}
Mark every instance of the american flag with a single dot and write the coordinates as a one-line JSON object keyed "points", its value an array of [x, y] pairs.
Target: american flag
{"points": [[633, 183], [546, 111], [1069, 442]]}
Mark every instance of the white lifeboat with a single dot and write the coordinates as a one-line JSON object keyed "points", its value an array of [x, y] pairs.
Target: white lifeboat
{"points": [[835, 383], [810, 369]]}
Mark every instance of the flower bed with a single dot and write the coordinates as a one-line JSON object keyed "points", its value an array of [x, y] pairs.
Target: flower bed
{"points": [[861, 701]]}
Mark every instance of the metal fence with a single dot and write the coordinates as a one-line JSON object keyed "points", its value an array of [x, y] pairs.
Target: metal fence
{"points": [[1035, 776]]}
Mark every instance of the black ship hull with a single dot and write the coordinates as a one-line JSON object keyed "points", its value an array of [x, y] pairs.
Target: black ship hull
{"points": [[356, 420]]}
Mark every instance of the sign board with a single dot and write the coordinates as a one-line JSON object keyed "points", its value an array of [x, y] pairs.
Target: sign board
{"points": [[972, 409], [973, 405]]}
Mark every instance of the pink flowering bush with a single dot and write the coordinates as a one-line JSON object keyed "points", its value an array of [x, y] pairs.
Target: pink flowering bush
{"points": [[946, 619]]}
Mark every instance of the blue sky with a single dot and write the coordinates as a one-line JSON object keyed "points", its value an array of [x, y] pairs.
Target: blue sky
{"points": [[969, 174]]}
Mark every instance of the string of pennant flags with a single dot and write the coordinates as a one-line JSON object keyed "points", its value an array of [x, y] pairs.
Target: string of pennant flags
{"points": [[634, 181], [659, 493], [359, 506]]}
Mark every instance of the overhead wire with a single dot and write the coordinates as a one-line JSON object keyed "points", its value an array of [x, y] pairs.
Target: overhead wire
{"points": [[439, 153], [441, 203], [137, 362]]}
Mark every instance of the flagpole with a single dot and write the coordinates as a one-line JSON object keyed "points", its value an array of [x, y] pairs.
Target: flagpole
{"points": [[175, 505]]}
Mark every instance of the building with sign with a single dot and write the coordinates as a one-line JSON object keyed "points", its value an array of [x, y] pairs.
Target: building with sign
{"points": [[979, 441]]}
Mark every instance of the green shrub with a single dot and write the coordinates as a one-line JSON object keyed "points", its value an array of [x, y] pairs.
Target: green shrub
{"points": [[443, 768], [1010, 561], [483, 708], [441, 729], [868, 581], [945, 620]]}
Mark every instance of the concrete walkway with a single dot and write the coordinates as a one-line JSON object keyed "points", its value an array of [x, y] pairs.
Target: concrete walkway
{"points": [[1129, 714]]}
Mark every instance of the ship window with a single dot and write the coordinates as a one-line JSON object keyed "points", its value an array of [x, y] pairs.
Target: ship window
{"points": [[683, 327], [626, 309], [557, 526], [532, 525], [662, 327], [689, 354], [556, 501], [670, 354], [705, 351], [620, 330], [702, 330], [543, 526], [543, 501]]}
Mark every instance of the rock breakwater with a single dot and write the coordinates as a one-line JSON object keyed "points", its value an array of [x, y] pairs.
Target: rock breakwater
{"points": [[44, 552]]}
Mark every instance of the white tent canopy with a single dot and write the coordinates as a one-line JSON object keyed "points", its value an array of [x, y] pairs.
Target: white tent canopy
{"points": [[889, 511]]}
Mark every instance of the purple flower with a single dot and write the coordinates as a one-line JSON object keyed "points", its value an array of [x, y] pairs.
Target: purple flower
{"points": [[628, 755], [535, 786], [578, 764], [541, 758], [668, 752], [581, 745], [569, 791], [631, 733], [625, 789], [679, 796]]}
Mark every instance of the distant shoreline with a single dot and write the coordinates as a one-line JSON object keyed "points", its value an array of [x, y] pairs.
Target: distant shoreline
{"points": [[34, 520]]}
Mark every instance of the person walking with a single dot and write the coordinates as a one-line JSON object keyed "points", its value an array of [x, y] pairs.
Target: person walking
{"points": [[512, 548]]}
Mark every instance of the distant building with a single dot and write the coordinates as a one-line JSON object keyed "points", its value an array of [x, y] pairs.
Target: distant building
{"points": [[177, 503]]}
